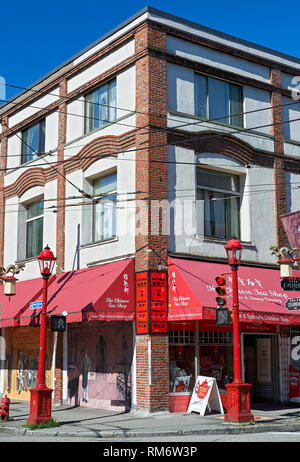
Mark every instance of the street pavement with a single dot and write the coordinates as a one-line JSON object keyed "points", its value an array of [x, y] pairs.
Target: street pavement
{"points": [[102, 424]]}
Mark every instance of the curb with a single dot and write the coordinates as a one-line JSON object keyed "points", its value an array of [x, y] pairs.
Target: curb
{"points": [[106, 434]]}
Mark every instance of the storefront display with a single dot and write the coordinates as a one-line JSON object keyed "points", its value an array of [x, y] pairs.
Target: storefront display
{"points": [[209, 354]]}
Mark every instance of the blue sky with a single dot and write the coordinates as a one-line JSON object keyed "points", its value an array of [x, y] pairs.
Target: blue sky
{"points": [[38, 36]]}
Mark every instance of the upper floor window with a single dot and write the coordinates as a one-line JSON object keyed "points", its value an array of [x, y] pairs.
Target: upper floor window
{"points": [[34, 228], [218, 100], [100, 106], [221, 203], [104, 212], [33, 141]]}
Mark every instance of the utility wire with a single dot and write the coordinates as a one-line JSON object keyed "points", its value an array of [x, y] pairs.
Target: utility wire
{"points": [[143, 112], [85, 194], [186, 140]]}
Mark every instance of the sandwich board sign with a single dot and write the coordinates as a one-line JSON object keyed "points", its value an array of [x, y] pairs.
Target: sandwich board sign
{"points": [[205, 395]]}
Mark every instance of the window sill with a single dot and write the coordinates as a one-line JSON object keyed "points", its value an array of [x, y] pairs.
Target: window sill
{"points": [[26, 260], [84, 135], [26, 164], [218, 123], [215, 240], [294, 142], [96, 243]]}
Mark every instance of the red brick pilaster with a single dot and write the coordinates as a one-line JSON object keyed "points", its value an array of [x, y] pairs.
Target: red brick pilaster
{"points": [[61, 182], [279, 173], [151, 178], [60, 231]]}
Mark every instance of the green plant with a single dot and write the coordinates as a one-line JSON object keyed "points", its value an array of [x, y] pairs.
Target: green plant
{"points": [[50, 424]]}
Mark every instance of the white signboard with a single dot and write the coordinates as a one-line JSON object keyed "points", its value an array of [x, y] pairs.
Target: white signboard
{"points": [[205, 395]]}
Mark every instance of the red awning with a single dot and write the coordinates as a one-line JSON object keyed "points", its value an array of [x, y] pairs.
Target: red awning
{"points": [[13, 307], [103, 293], [261, 298]]}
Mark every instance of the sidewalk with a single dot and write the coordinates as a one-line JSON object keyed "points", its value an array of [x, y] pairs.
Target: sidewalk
{"points": [[81, 422]]}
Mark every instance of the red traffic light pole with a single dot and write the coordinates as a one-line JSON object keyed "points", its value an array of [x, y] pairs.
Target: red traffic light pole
{"points": [[238, 392], [40, 397]]}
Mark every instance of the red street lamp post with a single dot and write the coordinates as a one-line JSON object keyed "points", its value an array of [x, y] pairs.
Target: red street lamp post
{"points": [[238, 392], [40, 397]]}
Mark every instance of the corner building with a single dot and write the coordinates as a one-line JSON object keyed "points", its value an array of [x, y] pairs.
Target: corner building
{"points": [[135, 161]]}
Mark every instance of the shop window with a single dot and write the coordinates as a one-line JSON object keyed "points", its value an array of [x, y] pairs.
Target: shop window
{"points": [[182, 361], [182, 368], [100, 107], [104, 212], [215, 358], [215, 337], [34, 228], [33, 141], [218, 100], [219, 196]]}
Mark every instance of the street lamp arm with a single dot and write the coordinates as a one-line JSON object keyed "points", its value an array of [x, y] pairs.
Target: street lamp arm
{"points": [[15, 269], [283, 252]]}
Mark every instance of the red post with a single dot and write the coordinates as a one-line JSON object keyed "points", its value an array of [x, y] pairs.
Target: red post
{"points": [[42, 352], [238, 392], [236, 329], [40, 397]]}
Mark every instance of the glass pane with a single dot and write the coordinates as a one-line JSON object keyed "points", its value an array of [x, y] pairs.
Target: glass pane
{"points": [[35, 209], [214, 214], [232, 217], [236, 105], [34, 237], [30, 143], [89, 112], [105, 184], [217, 180], [97, 220], [218, 92], [101, 106], [42, 136], [112, 101], [201, 96], [182, 368], [104, 224], [109, 217]]}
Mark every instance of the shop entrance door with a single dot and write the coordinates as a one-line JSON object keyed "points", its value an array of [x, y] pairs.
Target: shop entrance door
{"points": [[260, 359]]}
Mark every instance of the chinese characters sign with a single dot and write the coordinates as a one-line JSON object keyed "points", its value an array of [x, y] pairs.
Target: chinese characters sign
{"points": [[151, 302]]}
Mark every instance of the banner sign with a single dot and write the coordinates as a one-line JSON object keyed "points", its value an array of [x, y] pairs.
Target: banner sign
{"points": [[292, 284], [158, 303], [291, 224], [293, 304], [142, 323], [151, 302], [205, 395]]}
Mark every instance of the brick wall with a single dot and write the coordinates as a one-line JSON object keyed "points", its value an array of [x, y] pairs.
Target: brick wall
{"points": [[278, 166], [151, 177]]}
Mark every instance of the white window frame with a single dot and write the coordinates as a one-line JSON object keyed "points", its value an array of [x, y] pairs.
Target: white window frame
{"points": [[201, 203], [228, 101], [102, 204]]}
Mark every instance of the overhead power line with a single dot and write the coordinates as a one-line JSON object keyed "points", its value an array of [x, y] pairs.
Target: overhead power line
{"points": [[186, 140]]}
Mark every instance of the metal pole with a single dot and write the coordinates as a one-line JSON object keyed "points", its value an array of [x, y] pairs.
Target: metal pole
{"points": [[41, 371], [236, 328]]}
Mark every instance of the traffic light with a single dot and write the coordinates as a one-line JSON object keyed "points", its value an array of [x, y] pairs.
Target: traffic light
{"points": [[221, 291], [222, 316]]}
